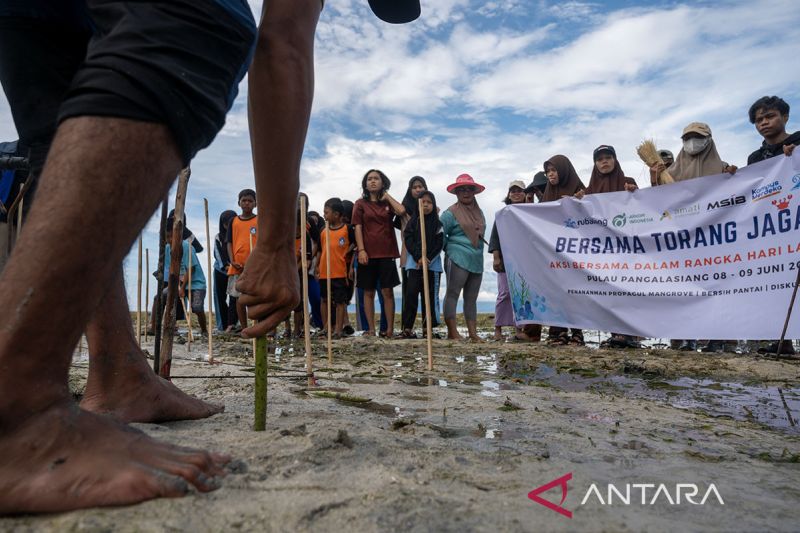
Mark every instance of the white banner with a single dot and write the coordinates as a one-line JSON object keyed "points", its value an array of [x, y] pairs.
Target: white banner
{"points": [[713, 258]]}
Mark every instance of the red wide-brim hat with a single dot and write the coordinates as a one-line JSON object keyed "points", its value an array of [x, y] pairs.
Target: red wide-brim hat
{"points": [[465, 179]]}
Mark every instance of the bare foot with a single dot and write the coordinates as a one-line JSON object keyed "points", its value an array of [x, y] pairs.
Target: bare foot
{"points": [[132, 392], [270, 288], [475, 338], [456, 336], [64, 458]]}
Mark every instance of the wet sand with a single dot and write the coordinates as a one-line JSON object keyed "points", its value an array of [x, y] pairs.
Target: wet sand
{"points": [[460, 448]]}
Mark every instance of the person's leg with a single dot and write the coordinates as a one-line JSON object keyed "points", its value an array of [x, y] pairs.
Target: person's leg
{"points": [[502, 307], [121, 382], [281, 82], [410, 301], [241, 313], [369, 311], [437, 281], [341, 311], [456, 278], [102, 180], [315, 301], [388, 310], [472, 288], [221, 301], [382, 324]]}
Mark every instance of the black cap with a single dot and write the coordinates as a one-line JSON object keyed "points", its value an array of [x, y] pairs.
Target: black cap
{"points": [[395, 11], [539, 182], [604, 148]]}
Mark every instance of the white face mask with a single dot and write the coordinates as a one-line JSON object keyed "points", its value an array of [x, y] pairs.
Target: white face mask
{"points": [[695, 145]]}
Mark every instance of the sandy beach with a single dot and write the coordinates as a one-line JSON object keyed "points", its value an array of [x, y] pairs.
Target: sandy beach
{"points": [[382, 444]]}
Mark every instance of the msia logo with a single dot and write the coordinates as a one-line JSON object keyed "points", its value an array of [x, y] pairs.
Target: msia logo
{"points": [[782, 203], [562, 482], [619, 220]]}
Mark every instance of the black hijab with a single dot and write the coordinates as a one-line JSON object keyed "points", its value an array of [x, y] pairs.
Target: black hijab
{"points": [[433, 232]]}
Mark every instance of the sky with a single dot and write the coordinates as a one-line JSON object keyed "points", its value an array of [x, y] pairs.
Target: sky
{"points": [[494, 88]]}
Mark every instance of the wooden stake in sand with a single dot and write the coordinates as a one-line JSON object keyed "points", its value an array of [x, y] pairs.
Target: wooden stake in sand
{"points": [[139, 297], [176, 248], [159, 311], [328, 285], [210, 288], [255, 343], [146, 290], [304, 262], [189, 296], [425, 285], [260, 422]]}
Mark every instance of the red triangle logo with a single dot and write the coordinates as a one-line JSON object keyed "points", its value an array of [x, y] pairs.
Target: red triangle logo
{"points": [[562, 482]]}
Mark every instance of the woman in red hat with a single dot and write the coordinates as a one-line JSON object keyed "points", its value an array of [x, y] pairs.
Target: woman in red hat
{"points": [[464, 227]]}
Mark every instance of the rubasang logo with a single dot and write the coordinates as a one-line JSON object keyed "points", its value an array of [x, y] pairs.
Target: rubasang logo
{"points": [[643, 494], [570, 223], [765, 191], [782, 203], [796, 181], [619, 220]]}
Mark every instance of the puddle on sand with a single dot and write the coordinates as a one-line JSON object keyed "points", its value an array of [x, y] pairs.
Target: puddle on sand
{"points": [[769, 406]]}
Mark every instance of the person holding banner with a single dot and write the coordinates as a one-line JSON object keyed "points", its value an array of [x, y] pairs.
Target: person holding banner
{"points": [[607, 176], [503, 308], [562, 180], [464, 227]]}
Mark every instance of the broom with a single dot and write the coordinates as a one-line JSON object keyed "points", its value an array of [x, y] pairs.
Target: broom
{"points": [[649, 154]]}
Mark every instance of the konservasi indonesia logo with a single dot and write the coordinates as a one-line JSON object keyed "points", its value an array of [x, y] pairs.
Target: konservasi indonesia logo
{"points": [[640, 494]]}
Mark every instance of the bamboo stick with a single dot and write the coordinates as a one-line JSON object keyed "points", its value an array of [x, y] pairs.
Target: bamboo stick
{"points": [[262, 361], [328, 284], [139, 297], [159, 310], [210, 287], [174, 274], [255, 344], [188, 291], [146, 290], [306, 321], [425, 285]]}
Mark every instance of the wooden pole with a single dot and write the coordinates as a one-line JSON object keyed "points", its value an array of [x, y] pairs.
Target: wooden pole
{"points": [[188, 291], [425, 285], [328, 284], [174, 273], [19, 217], [146, 290], [139, 297], [210, 287], [260, 421], [306, 321], [255, 343], [159, 311], [788, 315]]}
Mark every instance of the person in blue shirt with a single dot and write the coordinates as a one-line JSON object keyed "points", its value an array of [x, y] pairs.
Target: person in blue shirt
{"points": [[464, 228], [196, 286]]}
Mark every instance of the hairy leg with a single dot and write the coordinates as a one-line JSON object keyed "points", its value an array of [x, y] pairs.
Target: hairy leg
{"points": [[121, 381], [281, 81], [102, 180]]}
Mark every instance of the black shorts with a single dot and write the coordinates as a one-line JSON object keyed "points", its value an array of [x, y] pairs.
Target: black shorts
{"points": [[177, 63], [340, 292], [383, 270]]}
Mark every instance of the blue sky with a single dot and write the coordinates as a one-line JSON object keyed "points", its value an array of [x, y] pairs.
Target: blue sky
{"points": [[493, 88]]}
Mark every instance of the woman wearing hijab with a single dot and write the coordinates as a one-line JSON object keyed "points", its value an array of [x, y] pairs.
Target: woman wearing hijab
{"points": [[698, 157], [503, 308], [607, 176], [562, 180], [416, 186], [464, 227], [226, 311], [412, 238]]}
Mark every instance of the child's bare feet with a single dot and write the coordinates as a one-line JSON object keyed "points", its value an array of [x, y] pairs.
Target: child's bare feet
{"points": [[64, 458]]}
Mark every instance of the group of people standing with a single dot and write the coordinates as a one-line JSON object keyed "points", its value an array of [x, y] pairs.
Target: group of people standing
{"points": [[366, 248]]}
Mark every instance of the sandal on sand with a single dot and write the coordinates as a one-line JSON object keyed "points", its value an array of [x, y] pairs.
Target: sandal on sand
{"points": [[407, 335]]}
